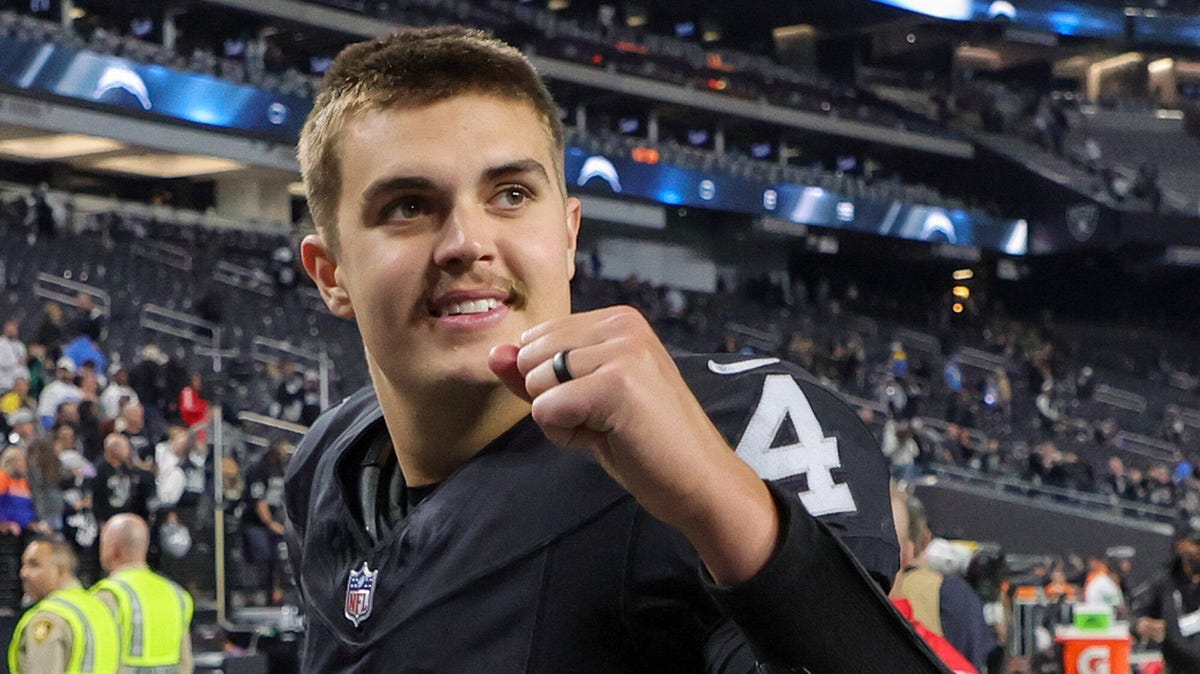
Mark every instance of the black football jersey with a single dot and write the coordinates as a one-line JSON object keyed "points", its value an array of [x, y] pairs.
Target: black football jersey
{"points": [[530, 558]]}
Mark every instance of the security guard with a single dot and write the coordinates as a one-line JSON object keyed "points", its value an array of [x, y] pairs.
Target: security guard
{"points": [[154, 614], [68, 630]]}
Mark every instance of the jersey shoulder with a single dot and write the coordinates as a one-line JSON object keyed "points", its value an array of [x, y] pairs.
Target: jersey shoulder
{"points": [[800, 434]]}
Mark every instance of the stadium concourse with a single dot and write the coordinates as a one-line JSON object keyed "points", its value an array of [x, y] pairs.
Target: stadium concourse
{"points": [[1037, 403]]}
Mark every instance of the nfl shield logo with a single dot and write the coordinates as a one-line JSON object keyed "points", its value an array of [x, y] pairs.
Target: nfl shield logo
{"points": [[360, 594]]}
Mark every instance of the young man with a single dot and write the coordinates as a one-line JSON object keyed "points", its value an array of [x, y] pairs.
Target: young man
{"points": [[527, 489]]}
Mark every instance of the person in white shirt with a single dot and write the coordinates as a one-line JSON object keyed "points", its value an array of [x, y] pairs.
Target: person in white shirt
{"points": [[61, 390], [13, 354], [117, 391]]}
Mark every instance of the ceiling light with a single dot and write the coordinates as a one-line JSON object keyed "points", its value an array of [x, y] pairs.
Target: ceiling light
{"points": [[58, 146]]}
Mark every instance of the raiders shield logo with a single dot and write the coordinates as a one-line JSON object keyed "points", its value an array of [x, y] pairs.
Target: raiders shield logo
{"points": [[1082, 220], [360, 594]]}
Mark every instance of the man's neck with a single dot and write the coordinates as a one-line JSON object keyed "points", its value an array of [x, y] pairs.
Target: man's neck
{"points": [[127, 566], [69, 584], [433, 436]]}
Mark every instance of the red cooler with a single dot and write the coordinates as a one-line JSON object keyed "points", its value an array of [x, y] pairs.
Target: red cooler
{"points": [[1095, 651]]}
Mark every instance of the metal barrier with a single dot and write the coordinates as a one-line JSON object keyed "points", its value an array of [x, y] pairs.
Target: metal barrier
{"points": [[1144, 445], [183, 326], [238, 276], [918, 341], [50, 287], [989, 362], [267, 351], [1120, 398], [1093, 505], [1188, 415], [760, 338], [167, 254]]}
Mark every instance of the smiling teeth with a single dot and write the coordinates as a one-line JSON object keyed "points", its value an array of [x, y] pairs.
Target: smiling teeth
{"points": [[473, 307]]}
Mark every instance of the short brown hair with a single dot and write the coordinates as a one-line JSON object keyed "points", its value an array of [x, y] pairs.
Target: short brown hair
{"points": [[411, 68]]}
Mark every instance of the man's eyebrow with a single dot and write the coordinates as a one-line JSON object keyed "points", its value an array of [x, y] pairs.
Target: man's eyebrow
{"points": [[514, 167], [395, 184]]}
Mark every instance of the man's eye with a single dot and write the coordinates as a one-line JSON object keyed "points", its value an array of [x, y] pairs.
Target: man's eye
{"points": [[405, 209], [512, 197]]}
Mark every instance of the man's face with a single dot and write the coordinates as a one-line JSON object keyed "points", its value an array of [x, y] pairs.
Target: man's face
{"points": [[454, 236], [117, 450], [135, 417], [39, 574], [1188, 550], [11, 328], [64, 437]]}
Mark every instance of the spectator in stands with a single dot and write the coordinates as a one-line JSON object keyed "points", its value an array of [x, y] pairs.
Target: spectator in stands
{"points": [[893, 397], [19, 395], [83, 349], [88, 320], [118, 487], [13, 355], [193, 408], [61, 390], [79, 522], [289, 393], [952, 375], [899, 444], [117, 392], [944, 603], [1047, 411], [148, 379], [171, 457], [175, 379], [46, 473], [1085, 383], [1117, 483], [23, 425], [132, 424], [898, 361], [1159, 488], [41, 370], [311, 407], [262, 523], [90, 430], [49, 332], [17, 514], [44, 224]]}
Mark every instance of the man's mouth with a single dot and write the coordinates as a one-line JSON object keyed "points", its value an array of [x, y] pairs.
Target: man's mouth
{"points": [[473, 307]]}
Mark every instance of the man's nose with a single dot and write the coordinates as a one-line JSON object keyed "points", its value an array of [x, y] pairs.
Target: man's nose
{"points": [[466, 238]]}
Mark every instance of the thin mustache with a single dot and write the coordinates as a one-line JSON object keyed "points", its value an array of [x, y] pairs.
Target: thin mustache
{"points": [[513, 289]]}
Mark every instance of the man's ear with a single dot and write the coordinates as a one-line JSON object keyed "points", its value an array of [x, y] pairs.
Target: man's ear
{"points": [[574, 214], [322, 268]]}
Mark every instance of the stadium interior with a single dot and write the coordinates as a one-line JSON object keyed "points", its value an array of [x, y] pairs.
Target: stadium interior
{"points": [[979, 221]]}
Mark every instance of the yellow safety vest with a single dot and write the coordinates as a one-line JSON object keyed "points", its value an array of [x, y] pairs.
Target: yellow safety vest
{"points": [[95, 646], [153, 614], [922, 587]]}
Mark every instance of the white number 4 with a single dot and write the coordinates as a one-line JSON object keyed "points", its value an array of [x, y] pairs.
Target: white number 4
{"points": [[812, 453]]}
